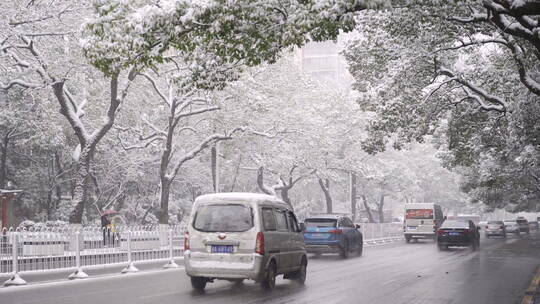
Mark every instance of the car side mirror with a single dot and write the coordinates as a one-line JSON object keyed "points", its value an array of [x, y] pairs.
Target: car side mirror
{"points": [[302, 227], [357, 226]]}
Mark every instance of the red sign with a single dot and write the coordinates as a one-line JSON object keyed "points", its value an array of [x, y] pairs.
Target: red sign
{"points": [[419, 214]]}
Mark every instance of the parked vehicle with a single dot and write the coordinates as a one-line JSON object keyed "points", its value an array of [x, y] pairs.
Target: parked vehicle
{"points": [[511, 227], [533, 225], [237, 236], [523, 225], [332, 233], [458, 233], [422, 221], [495, 228]]}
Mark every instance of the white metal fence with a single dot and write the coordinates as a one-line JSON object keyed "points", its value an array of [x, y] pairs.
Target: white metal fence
{"points": [[45, 249], [374, 233], [56, 248]]}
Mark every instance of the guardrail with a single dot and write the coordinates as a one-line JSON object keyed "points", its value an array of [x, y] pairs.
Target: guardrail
{"points": [[377, 232], [46, 249]]}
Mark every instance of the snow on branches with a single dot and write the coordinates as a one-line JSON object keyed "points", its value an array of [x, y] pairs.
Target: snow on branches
{"points": [[210, 35]]}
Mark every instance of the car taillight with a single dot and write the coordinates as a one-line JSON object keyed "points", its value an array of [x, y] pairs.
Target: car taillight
{"points": [[466, 230], [186, 241], [335, 231], [259, 244], [440, 232]]}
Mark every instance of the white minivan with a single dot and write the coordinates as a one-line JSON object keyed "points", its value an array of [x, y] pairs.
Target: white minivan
{"points": [[422, 221], [237, 236]]}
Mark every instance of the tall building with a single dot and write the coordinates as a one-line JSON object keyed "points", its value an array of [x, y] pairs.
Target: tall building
{"points": [[323, 61]]}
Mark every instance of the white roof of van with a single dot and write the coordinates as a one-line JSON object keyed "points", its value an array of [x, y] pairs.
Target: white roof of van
{"points": [[237, 196], [419, 205]]}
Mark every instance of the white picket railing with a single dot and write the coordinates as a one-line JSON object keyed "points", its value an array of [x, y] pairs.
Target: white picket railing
{"points": [[56, 248], [375, 233]]}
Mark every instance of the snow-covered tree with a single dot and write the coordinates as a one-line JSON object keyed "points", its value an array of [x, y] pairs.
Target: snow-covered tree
{"points": [[213, 39], [463, 69]]}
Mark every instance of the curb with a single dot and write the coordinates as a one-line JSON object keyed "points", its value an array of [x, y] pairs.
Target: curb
{"points": [[381, 241], [532, 293]]}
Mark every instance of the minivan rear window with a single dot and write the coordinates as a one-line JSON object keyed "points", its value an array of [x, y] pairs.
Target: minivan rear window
{"points": [[314, 223], [419, 214], [223, 218]]}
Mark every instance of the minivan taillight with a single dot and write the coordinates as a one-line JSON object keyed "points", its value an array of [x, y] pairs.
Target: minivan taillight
{"points": [[336, 231], [440, 232], [186, 241], [259, 244]]}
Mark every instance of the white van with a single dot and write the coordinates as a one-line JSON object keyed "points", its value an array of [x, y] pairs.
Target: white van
{"points": [[422, 221], [237, 236]]}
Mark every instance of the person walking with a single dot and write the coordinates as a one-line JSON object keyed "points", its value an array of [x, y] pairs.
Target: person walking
{"points": [[106, 228], [112, 228]]}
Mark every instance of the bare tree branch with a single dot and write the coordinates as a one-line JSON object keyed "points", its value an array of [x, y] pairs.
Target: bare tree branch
{"points": [[156, 88], [199, 148]]}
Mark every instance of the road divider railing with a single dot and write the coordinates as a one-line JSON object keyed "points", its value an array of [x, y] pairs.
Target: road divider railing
{"points": [[381, 233], [44, 249]]}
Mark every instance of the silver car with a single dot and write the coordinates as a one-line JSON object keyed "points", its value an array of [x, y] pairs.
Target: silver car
{"points": [[511, 227], [237, 236], [495, 228]]}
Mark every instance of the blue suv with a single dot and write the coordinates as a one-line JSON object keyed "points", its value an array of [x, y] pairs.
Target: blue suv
{"points": [[332, 233]]}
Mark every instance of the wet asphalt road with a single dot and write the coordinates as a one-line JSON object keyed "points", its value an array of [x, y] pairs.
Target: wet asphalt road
{"points": [[394, 273]]}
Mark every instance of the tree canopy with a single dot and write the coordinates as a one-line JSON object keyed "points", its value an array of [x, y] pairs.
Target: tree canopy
{"points": [[465, 72]]}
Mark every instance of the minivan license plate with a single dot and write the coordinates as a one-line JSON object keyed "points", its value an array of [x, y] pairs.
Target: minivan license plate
{"points": [[222, 248]]}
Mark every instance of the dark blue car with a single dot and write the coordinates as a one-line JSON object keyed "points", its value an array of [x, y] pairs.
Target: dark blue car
{"points": [[332, 233]]}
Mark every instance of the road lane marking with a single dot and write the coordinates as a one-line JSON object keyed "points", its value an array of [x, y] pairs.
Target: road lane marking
{"points": [[389, 282]]}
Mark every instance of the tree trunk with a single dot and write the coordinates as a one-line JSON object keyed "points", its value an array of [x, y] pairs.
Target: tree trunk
{"points": [[3, 161], [214, 160], [380, 207], [80, 192], [164, 201], [325, 186], [49, 204], [260, 182], [87, 142], [143, 219], [58, 188], [285, 196], [353, 195], [368, 210], [236, 173]]}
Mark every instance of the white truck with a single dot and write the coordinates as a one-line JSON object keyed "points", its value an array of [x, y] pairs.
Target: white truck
{"points": [[422, 221]]}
